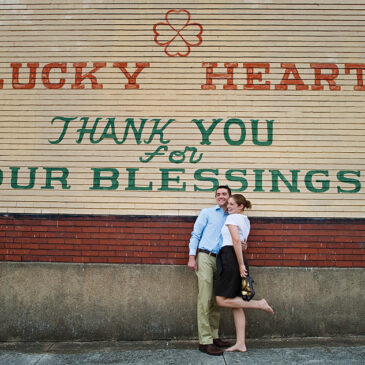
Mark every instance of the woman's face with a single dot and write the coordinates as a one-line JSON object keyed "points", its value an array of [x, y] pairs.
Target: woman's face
{"points": [[233, 207]]}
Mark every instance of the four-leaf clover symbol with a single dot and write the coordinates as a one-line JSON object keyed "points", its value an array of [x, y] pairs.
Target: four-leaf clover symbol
{"points": [[177, 34]]}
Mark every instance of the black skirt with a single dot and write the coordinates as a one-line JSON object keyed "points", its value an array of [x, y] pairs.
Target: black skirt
{"points": [[229, 280]]}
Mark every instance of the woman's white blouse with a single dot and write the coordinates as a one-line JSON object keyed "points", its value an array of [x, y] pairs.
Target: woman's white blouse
{"points": [[243, 224]]}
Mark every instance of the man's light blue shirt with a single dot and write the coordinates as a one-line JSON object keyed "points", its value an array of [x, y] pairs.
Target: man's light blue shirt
{"points": [[207, 230]]}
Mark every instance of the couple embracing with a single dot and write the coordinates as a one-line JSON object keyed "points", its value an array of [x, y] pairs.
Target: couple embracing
{"points": [[216, 255]]}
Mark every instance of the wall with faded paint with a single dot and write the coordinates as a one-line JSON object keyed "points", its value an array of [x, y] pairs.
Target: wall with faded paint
{"points": [[144, 107]]}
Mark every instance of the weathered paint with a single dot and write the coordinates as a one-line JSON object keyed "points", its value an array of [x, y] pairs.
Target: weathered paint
{"points": [[144, 108]]}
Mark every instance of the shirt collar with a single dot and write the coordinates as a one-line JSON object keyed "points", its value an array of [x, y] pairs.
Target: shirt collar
{"points": [[217, 207]]}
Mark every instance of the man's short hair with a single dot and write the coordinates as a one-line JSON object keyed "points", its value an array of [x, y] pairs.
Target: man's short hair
{"points": [[224, 187]]}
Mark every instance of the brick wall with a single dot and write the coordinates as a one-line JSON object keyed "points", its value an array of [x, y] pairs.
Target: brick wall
{"points": [[163, 240]]}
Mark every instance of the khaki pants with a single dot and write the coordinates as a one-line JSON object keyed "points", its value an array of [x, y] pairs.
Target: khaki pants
{"points": [[208, 310]]}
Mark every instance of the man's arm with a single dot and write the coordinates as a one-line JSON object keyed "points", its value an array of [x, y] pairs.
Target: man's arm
{"points": [[196, 235]]}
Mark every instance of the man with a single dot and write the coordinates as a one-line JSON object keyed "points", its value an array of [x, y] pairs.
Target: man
{"points": [[205, 243]]}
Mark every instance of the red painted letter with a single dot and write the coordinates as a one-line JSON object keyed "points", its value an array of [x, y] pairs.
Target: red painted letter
{"points": [[79, 77], [45, 75], [359, 67], [131, 78], [210, 75], [251, 76], [290, 68], [32, 75], [326, 77]]}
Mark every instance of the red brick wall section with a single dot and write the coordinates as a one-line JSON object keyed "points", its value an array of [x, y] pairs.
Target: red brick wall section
{"points": [[164, 240]]}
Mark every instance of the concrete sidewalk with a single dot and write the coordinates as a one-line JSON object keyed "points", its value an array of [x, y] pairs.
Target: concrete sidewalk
{"points": [[275, 351]]}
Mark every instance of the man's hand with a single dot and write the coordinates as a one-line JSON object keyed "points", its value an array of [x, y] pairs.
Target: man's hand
{"points": [[244, 245], [192, 265]]}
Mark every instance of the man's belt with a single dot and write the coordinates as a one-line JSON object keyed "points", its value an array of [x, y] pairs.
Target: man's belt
{"points": [[207, 252]]}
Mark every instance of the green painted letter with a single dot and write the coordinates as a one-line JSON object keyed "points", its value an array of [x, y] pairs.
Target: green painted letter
{"points": [[90, 131], [66, 122], [258, 180], [198, 175], [241, 179], [14, 178], [132, 181], [62, 179], [255, 133], [97, 179], [342, 178], [309, 183], [159, 131], [206, 132], [293, 186], [242, 135], [165, 179]]}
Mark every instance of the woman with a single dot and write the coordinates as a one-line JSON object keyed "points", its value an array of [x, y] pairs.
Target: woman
{"points": [[232, 268]]}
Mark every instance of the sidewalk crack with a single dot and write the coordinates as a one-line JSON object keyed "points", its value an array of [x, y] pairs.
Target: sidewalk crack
{"points": [[224, 359], [49, 347], [37, 362]]}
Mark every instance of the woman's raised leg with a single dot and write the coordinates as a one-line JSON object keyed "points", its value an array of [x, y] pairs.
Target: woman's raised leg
{"points": [[238, 302]]}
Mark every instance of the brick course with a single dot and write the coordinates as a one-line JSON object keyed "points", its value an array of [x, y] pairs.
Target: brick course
{"points": [[297, 242]]}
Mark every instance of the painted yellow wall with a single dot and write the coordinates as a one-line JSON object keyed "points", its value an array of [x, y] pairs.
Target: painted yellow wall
{"points": [[313, 130]]}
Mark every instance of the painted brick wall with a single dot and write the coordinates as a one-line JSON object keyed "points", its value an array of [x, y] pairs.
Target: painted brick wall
{"points": [[280, 117], [303, 242]]}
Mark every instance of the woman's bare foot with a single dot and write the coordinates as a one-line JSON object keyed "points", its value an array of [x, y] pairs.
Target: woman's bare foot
{"points": [[265, 306], [237, 347]]}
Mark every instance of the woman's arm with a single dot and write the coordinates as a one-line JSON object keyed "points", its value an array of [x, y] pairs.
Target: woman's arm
{"points": [[233, 230]]}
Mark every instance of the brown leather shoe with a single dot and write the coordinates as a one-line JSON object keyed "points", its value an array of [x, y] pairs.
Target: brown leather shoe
{"points": [[211, 350], [220, 343]]}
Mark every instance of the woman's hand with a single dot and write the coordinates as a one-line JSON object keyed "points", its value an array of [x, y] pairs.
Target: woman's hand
{"points": [[243, 271]]}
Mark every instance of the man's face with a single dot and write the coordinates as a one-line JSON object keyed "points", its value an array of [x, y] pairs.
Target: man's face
{"points": [[221, 197]]}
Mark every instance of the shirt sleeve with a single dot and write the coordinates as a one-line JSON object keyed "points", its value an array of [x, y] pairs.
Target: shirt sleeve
{"points": [[242, 224], [231, 219], [197, 233], [246, 228]]}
